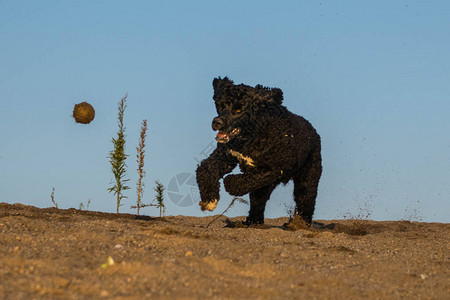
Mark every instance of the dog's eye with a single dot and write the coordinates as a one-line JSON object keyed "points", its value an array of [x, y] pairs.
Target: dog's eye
{"points": [[237, 108]]}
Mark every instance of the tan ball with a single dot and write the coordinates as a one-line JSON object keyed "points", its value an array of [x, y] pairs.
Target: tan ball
{"points": [[83, 113]]}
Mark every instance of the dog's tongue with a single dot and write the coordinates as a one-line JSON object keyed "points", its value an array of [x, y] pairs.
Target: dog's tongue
{"points": [[221, 134]]}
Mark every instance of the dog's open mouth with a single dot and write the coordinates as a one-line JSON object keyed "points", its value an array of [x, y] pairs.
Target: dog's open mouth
{"points": [[225, 137]]}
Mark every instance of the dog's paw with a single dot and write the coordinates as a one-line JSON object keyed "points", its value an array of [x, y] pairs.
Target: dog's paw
{"points": [[208, 205]]}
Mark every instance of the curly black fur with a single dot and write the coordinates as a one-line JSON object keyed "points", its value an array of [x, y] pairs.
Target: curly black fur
{"points": [[270, 144]]}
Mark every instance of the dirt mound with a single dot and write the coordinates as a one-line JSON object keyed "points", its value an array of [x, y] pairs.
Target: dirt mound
{"points": [[64, 254]]}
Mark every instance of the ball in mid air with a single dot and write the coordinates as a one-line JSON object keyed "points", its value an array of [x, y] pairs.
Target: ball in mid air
{"points": [[83, 113]]}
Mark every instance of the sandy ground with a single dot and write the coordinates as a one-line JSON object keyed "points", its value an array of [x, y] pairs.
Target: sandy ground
{"points": [[63, 254]]}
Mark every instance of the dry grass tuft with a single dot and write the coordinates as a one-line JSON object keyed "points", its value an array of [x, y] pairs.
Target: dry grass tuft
{"points": [[296, 223]]}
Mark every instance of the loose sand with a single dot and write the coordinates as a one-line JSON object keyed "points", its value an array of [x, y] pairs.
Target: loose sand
{"points": [[58, 254]]}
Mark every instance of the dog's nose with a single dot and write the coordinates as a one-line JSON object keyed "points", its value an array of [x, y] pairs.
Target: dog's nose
{"points": [[218, 123]]}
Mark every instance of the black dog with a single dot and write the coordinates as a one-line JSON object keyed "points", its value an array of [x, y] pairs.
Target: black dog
{"points": [[270, 144]]}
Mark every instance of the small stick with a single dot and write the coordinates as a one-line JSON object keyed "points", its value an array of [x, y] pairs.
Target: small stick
{"points": [[53, 198], [229, 206]]}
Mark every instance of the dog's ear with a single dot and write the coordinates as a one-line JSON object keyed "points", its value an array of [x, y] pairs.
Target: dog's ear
{"points": [[219, 83], [277, 95], [216, 83], [270, 94]]}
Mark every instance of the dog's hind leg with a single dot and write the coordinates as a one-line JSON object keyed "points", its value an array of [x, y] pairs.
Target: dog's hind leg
{"points": [[306, 183], [258, 201]]}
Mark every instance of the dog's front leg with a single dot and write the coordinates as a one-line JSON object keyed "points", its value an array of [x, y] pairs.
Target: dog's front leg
{"points": [[208, 176], [209, 172], [241, 184]]}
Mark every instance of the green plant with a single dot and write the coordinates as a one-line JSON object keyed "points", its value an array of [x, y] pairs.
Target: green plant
{"points": [[82, 207], [140, 160], [159, 189], [117, 157]]}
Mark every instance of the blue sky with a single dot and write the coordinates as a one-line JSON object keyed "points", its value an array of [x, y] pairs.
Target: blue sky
{"points": [[371, 76]]}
